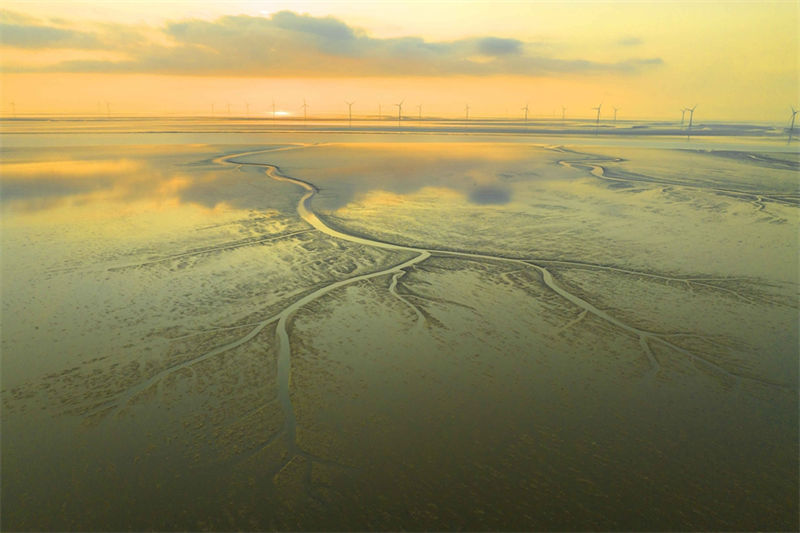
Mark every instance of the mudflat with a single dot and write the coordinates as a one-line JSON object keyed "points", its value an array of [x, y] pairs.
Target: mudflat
{"points": [[314, 331]]}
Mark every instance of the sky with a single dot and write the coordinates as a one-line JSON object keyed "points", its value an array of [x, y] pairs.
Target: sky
{"points": [[734, 60]]}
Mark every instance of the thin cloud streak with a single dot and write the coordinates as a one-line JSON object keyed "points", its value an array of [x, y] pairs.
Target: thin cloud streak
{"points": [[630, 41], [288, 44]]}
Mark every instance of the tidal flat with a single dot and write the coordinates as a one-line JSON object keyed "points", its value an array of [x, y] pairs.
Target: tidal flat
{"points": [[330, 331]]}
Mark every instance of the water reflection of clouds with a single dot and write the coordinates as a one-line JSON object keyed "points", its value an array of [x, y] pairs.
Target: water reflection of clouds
{"points": [[37, 180], [490, 195], [34, 181], [37, 185], [482, 174]]}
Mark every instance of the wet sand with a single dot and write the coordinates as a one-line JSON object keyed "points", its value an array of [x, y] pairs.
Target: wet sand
{"points": [[491, 337]]}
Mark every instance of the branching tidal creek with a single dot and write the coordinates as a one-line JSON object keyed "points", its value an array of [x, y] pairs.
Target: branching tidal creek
{"points": [[281, 319]]}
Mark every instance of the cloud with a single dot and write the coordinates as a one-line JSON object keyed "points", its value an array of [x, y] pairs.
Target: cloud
{"points": [[495, 46], [329, 29], [289, 44], [630, 41], [22, 31], [34, 36]]}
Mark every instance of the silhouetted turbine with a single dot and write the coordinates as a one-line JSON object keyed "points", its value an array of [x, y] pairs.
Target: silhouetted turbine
{"points": [[526, 112], [791, 126], [350, 114], [419, 111], [399, 111], [305, 107], [563, 113], [615, 114], [691, 115], [598, 113], [467, 111]]}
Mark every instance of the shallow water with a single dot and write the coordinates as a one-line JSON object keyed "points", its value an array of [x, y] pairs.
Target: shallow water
{"points": [[338, 331]]}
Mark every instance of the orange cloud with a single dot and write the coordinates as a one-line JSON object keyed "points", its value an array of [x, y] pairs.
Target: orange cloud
{"points": [[288, 44]]}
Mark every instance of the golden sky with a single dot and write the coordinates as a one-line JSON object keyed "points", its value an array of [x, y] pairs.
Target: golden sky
{"points": [[735, 60]]}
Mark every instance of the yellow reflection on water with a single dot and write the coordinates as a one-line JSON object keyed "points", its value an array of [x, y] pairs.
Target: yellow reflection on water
{"points": [[68, 168]]}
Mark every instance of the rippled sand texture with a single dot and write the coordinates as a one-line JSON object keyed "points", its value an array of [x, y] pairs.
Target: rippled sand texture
{"points": [[400, 335]]}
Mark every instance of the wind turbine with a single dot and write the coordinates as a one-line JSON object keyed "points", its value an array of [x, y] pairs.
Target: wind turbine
{"points": [[791, 126], [399, 111], [419, 110], [247, 107], [467, 111], [526, 112], [615, 114], [683, 114], [305, 107], [597, 124], [350, 113], [691, 115], [563, 113], [14, 112], [379, 111]]}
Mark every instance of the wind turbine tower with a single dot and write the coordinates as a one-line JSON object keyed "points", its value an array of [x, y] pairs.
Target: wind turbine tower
{"points": [[615, 114], [526, 112], [597, 123], [791, 126], [691, 115], [350, 114], [683, 114], [14, 112], [399, 112], [419, 111], [563, 113], [466, 109], [305, 107], [379, 111]]}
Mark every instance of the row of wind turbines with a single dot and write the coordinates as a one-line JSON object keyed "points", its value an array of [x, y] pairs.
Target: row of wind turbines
{"points": [[525, 109], [399, 107]]}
